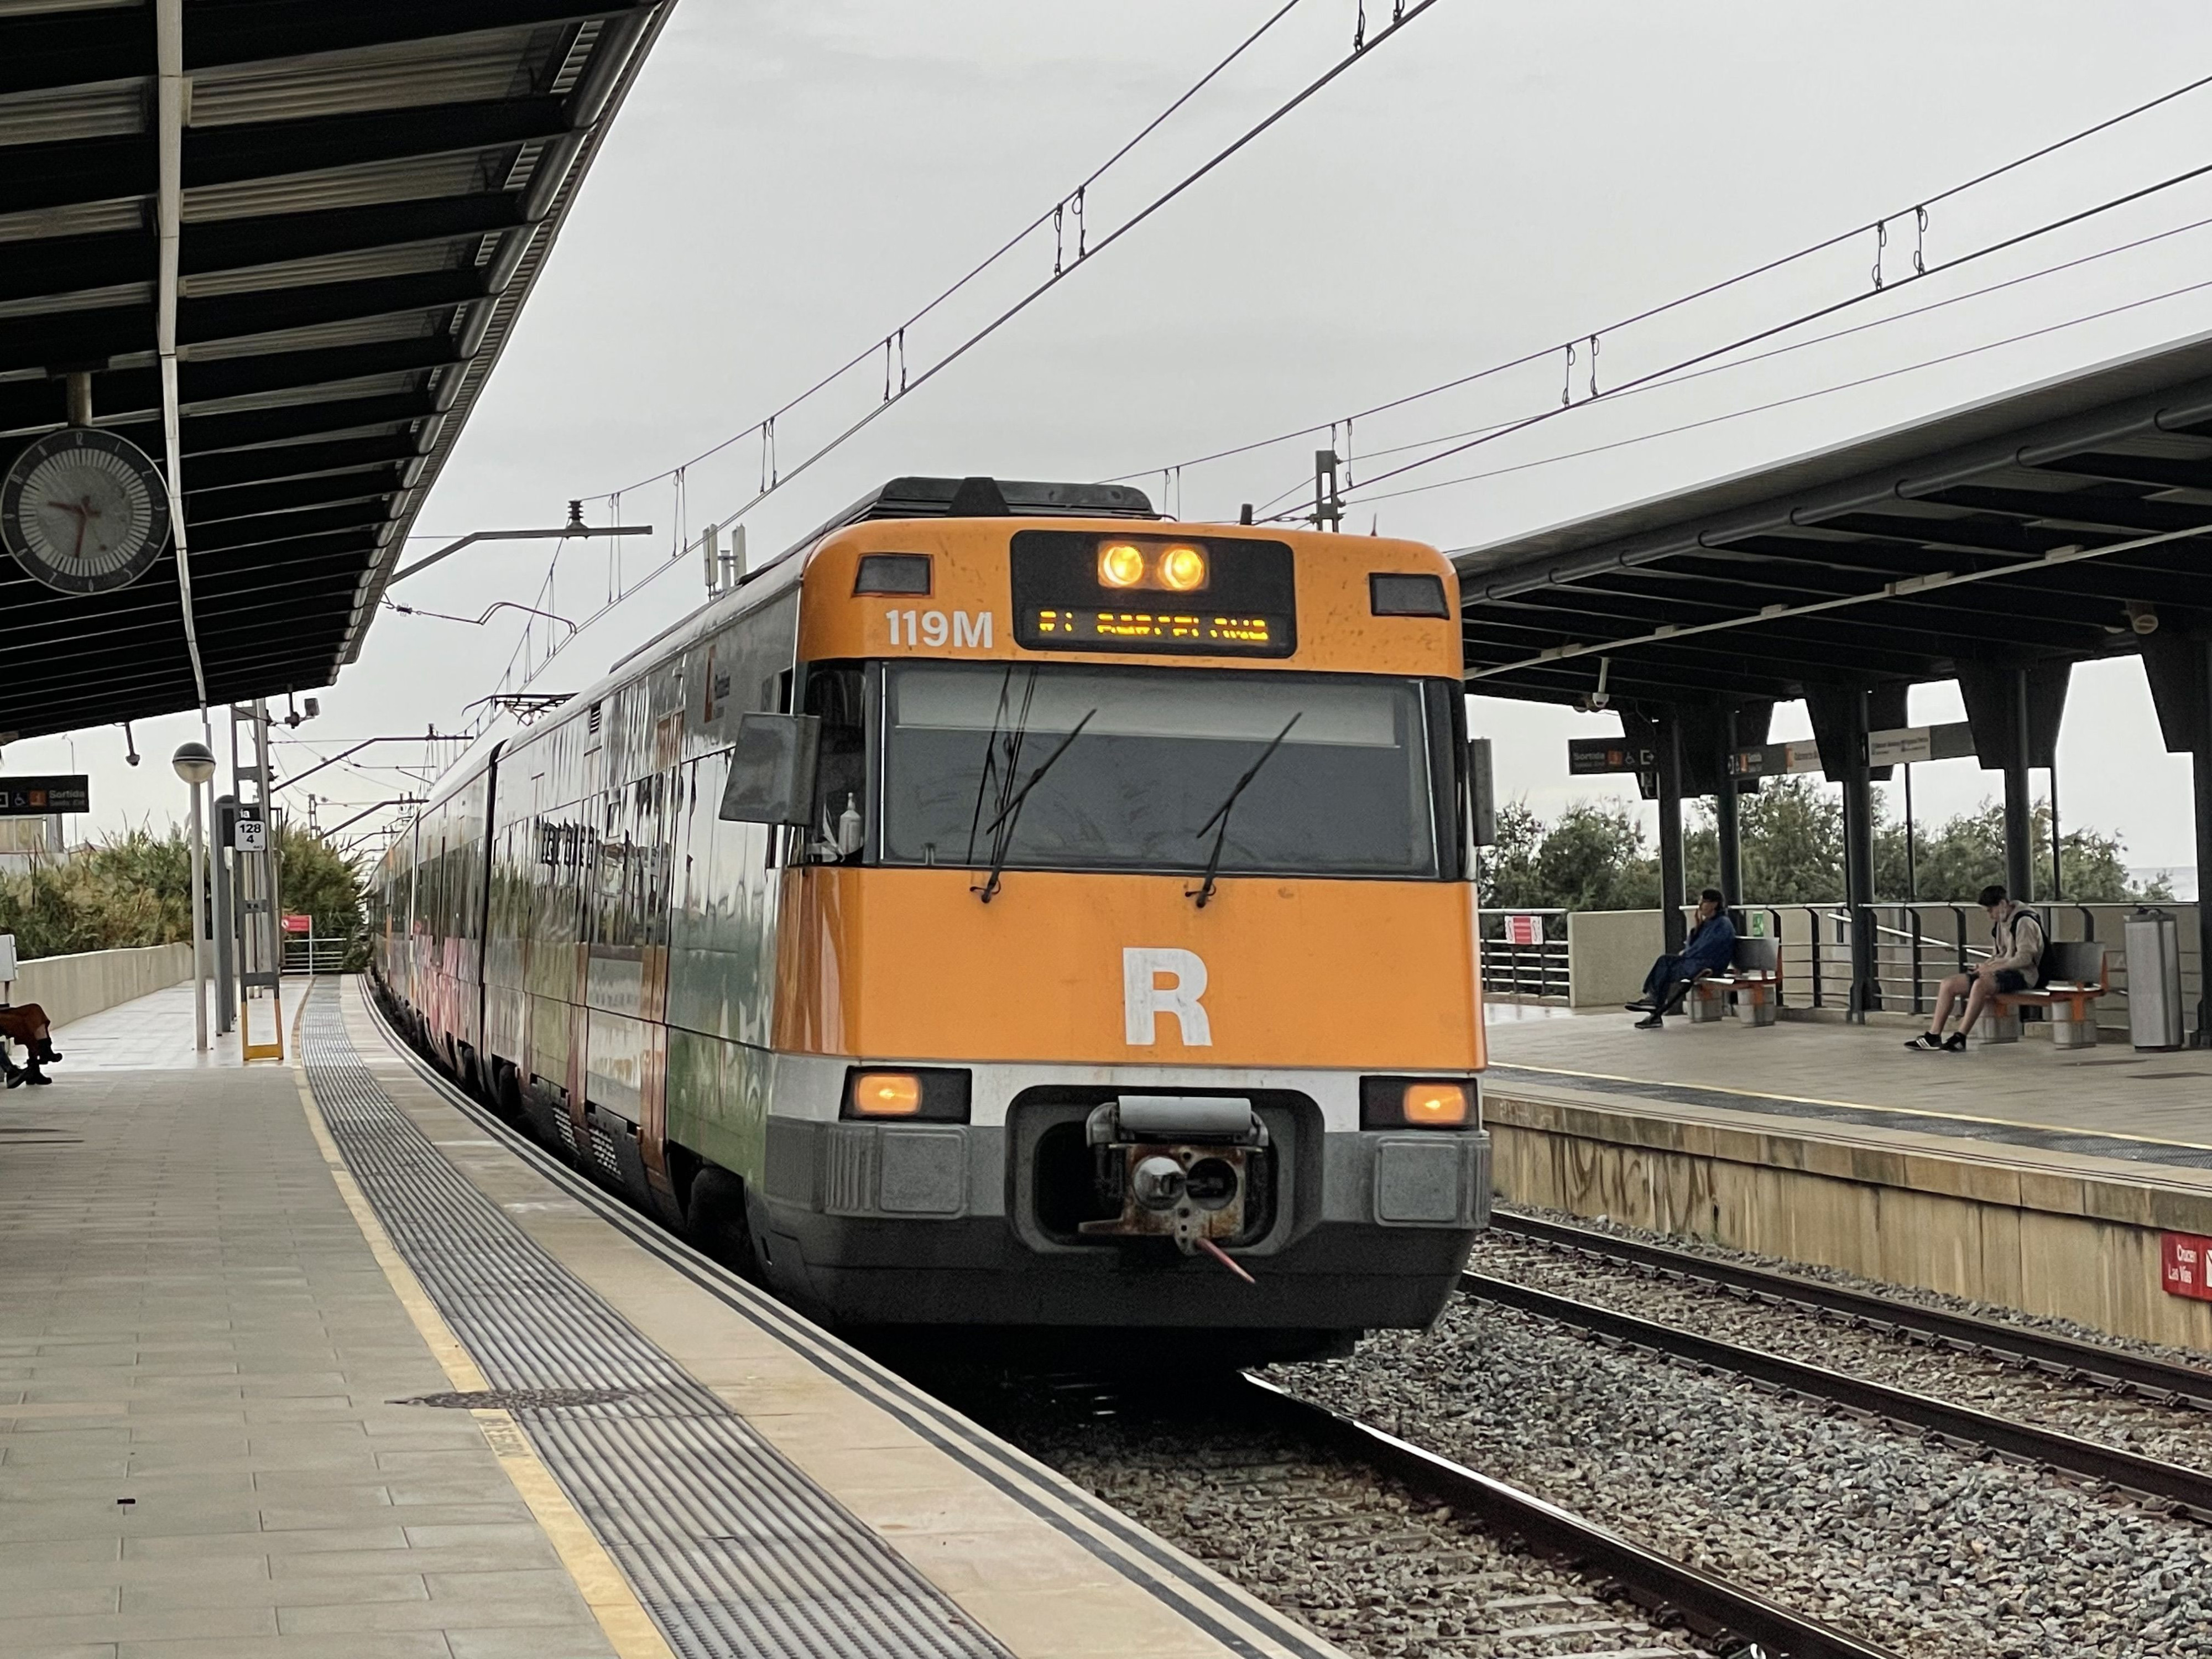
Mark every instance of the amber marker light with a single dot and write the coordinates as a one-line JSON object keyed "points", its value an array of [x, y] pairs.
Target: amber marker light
{"points": [[1182, 569], [1442, 1104], [886, 1094], [1121, 564]]}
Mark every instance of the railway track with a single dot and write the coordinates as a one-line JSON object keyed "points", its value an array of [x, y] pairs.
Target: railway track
{"points": [[1729, 1618], [1736, 1621], [2165, 1382]]}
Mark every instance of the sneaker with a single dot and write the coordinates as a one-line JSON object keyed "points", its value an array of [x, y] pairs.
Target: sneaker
{"points": [[1637, 1007], [1955, 1044], [1651, 1023], [1926, 1043]]}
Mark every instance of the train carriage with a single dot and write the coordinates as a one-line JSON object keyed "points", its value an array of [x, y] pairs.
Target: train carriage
{"points": [[1008, 910]]}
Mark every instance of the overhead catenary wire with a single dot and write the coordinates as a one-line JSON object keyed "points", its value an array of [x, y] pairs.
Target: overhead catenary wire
{"points": [[1263, 510], [1676, 368], [1706, 291], [1793, 399], [894, 338], [976, 338]]}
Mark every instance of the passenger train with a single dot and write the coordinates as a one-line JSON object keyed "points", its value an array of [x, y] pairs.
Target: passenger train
{"points": [[1009, 909]]}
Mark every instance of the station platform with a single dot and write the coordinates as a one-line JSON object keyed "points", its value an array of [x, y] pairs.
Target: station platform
{"points": [[2016, 1174], [311, 1361]]}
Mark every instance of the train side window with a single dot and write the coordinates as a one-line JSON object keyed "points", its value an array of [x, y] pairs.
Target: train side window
{"points": [[837, 693]]}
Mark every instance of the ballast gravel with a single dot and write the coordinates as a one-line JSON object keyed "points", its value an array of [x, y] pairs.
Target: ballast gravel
{"points": [[1381, 1573], [1905, 1543], [2148, 1428]]}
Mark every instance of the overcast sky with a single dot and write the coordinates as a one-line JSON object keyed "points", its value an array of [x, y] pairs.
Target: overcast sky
{"points": [[787, 181]]}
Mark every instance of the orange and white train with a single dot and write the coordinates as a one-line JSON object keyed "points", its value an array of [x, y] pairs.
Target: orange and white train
{"points": [[1008, 908]]}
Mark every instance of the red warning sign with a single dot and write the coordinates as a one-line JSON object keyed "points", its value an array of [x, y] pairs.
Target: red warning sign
{"points": [[2182, 1261]]}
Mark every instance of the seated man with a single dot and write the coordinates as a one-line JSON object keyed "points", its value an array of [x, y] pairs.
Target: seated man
{"points": [[1710, 948], [2015, 963], [27, 1026]]}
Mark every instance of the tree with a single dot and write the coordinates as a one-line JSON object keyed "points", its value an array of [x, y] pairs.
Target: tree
{"points": [[1968, 854], [131, 889], [1593, 858], [319, 882], [1792, 836]]}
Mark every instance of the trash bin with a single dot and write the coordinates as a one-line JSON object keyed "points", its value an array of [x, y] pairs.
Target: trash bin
{"points": [[2153, 949]]}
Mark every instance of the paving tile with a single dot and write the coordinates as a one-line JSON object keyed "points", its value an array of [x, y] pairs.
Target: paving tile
{"points": [[576, 1642], [296, 1590], [392, 1644], [452, 1614]]}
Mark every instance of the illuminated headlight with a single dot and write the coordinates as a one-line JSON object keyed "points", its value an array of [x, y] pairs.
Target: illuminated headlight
{"points": [[1409, 1102], [1181, 569], [1121, 564], [922, 1094]]}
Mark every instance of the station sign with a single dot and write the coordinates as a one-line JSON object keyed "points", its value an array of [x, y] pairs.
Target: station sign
{"points": [[1590, 757], [2181, 1261], [36, 797], [1775, 760], [1907, 745]]}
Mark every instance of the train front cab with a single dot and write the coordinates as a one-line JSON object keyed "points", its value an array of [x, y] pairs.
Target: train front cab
{"points": [[1125, 968]]}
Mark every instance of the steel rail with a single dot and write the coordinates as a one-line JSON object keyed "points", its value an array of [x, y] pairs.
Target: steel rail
{"points": [[1712, 1607], [2174, 1485], [1667, 1589], [2167, 1381]]}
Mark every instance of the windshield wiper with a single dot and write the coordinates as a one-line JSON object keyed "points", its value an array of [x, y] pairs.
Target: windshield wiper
{"points": [[1002, 827], [1204, 890], [990, 767]]}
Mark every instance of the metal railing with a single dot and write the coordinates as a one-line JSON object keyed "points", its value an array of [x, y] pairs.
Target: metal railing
{"points": [[1918, 946], [313, 955], [1525, 970]]}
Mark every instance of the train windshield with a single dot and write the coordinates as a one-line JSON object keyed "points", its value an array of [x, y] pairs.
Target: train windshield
{"points": [[1069, 767]]}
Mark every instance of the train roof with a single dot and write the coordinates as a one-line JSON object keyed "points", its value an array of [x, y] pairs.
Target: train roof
{"points": [[897, 498]]}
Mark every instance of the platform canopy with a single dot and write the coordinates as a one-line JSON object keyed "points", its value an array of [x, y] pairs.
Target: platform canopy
{"points": [[1977, 537], [366, 190]]}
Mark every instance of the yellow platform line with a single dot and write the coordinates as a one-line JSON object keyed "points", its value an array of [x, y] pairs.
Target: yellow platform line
{"points": [[630, 1630], [1854, 1106]]}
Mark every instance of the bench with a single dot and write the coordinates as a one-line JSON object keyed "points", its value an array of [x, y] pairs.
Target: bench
{"points": [[1754, 974], [2080, 973]]}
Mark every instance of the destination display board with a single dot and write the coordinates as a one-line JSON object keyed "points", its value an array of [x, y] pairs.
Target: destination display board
{"points": [[36, 797], [1172, 629]]}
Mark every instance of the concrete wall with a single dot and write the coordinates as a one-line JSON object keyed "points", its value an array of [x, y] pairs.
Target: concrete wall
{"points": [[69, 987], [1608, 954], [2054, 1240]]}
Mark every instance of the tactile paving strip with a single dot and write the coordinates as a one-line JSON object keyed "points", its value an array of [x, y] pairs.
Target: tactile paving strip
{"points": [[731, 1549]]}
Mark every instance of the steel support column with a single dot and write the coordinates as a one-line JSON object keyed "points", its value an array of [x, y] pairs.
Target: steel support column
{"points": [[2018, 802], [1865, 993], [1726, 820], [1670, 829], [2200, 765]]}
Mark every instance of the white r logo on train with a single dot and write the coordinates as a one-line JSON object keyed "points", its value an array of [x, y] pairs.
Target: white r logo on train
{"points": [[1145, 999]]}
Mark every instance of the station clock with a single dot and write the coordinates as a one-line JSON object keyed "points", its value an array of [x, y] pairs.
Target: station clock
{"points": [[84, 511]]}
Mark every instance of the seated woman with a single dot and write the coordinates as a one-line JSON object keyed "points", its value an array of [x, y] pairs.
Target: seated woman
{"points": [[26, 1023]]}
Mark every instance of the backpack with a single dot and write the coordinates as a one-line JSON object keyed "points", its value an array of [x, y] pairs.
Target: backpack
{"points": [[2008, 933]]}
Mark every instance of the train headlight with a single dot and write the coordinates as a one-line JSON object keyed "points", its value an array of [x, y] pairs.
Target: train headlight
{"points": [[926, 1094], [1182, 569], [1405, 1102], [886, 1094], [1121, 564]]}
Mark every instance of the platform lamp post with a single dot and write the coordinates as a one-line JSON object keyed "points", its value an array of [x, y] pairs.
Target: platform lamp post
{"points": [[195, 764]]}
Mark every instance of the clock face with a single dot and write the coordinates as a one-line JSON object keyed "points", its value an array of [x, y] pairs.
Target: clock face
{"points": [[84, 511]]}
